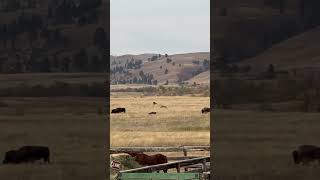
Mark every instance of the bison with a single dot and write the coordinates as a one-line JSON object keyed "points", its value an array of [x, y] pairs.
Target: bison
{"points": [[119, 110], [27, 154], [162, 106], [150, 113], [147, 160], [154, 103], [205, 110], [306, 154]]}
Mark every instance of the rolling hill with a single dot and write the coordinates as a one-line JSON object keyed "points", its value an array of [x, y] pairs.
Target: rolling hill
{"points": [[183, 66], [299, 52]]}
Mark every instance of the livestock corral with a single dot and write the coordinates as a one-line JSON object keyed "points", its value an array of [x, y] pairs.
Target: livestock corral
{"points": [[183, 163], [161, 125]]}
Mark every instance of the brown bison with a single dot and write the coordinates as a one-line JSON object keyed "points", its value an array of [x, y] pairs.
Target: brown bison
{"points": [[27, 154], [154, 103], [162, 106], [150, 113], [147, 160], [306, 154], [119, 110], [205, 110]]}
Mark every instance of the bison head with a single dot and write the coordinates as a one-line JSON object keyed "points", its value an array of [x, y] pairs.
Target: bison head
{"points": [[296, 157]]}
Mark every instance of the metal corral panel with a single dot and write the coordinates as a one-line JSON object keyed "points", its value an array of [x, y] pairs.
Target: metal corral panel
{"points": [[160, 176]]}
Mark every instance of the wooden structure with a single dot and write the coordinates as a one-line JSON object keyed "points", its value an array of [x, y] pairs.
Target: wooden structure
{"points": [[159, 176], [184, 149], [173, 165], [187, 163]]}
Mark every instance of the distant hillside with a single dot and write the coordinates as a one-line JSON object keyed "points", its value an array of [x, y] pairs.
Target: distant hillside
{"points": [[52, 36], [202, 78], [246, 28], [172, 68], [295, 53]]}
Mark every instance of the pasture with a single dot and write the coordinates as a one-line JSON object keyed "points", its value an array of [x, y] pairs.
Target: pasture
{"points": [[45, 79], [181, 123], [71, 127], [258, 145]]}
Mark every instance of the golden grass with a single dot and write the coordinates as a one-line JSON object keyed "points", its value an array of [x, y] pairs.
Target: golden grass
{"points": [[159, 138], [258, 145], [70, 127], [45, 79], [182, 123]]}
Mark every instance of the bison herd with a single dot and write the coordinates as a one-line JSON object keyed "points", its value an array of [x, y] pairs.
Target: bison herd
{"points": [[123, 110], [27, 154]]}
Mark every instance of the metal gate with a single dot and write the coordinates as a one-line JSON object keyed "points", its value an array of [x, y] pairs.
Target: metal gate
{"points": [[159, 176]]}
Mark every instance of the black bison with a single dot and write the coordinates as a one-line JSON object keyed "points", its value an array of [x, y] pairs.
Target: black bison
{"points": [[27, 154], [119, 110], [306, 154], [163, 106], [205, 110], [150, 113]]}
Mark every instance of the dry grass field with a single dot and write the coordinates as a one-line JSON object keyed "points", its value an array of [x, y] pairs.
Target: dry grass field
{"points": [[258, 145], [182, 123], [13, 80], [71, 127]]}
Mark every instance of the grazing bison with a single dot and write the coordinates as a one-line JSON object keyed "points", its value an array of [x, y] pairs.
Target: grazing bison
{"points": [[119, 110], [154, 103], [205, 110], [150, 113], [163, 106], [147, 160], [306, 154], [27, 154]]}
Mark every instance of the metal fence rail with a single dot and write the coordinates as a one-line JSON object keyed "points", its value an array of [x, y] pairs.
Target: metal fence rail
{"points": [[171, 165]]}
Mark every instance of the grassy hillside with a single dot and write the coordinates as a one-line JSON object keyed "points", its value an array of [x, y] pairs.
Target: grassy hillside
{"points": [[202, 78], [178, 64], [295, 53]]}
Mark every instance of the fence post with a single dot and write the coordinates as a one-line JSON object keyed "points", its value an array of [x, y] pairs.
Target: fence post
{"points": [[185, 153], [178, 168], [204, 166]]}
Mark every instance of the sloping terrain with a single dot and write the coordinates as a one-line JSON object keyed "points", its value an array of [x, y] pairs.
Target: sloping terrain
{"points": [[178, 65], [202, 78], [298, 52]]}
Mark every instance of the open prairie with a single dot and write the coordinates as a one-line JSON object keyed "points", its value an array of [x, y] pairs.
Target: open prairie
{"points": [[259, 145], [181, 123], [70, 126]]}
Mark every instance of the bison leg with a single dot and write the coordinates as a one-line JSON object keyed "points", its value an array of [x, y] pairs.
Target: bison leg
{"points": [[46, 159], [165, 171], [305, 162]]}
